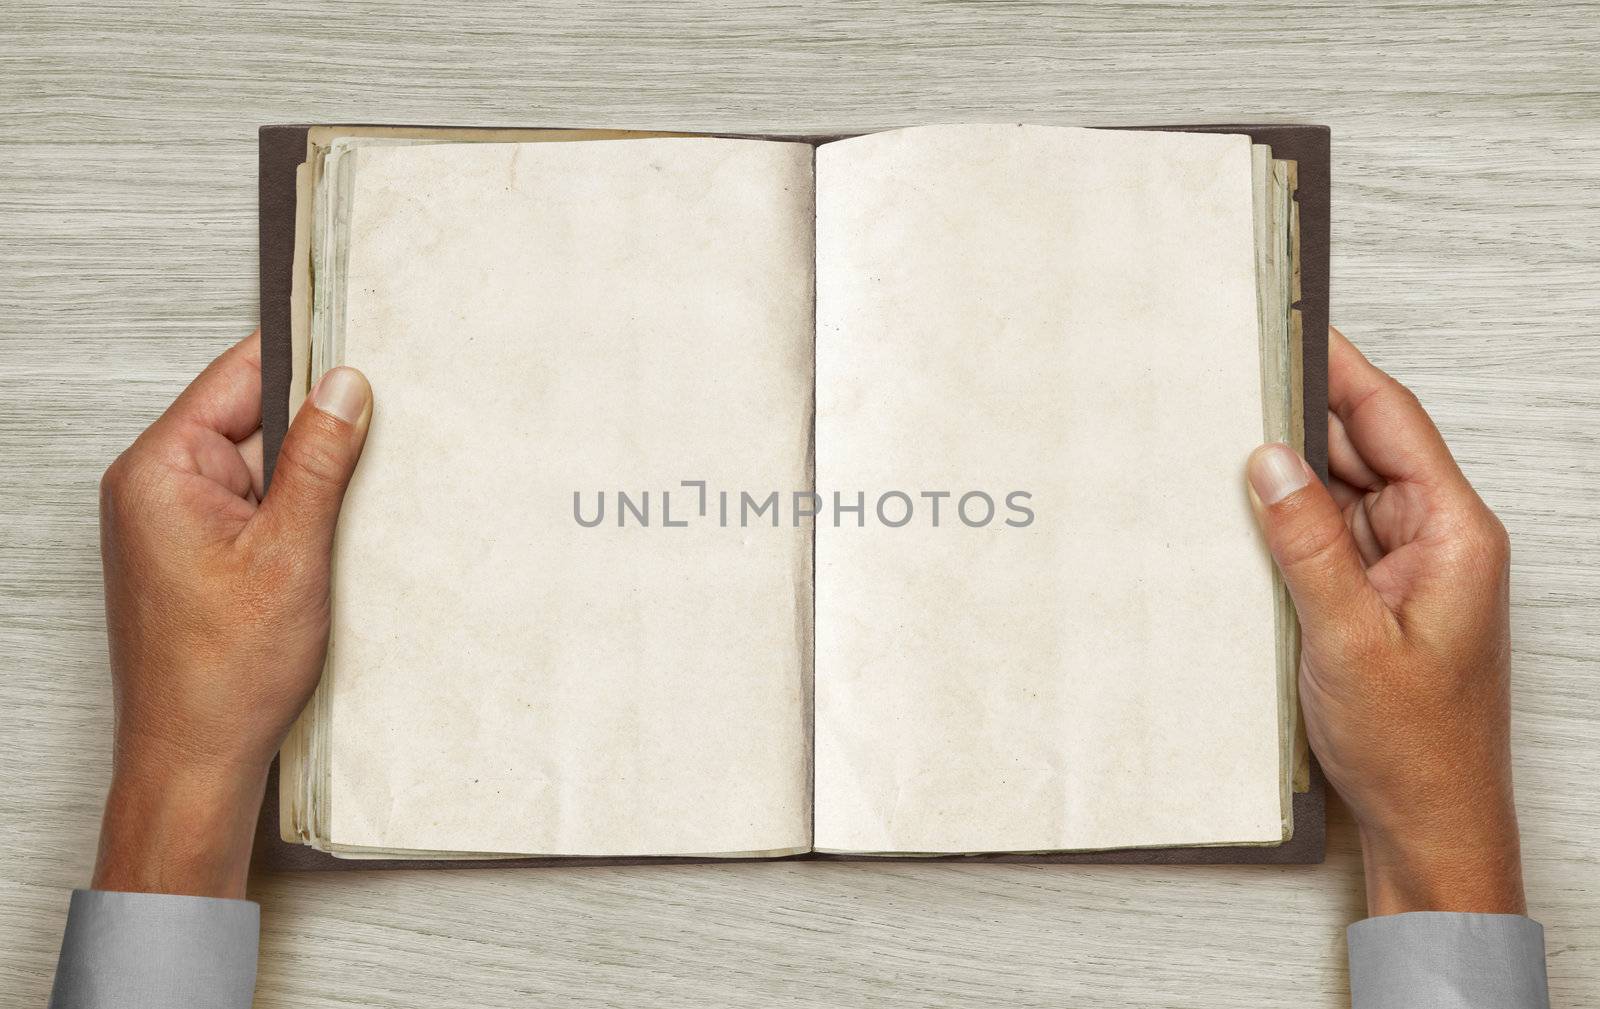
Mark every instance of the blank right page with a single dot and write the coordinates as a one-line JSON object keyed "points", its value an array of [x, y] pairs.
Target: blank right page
{"points": [[1062, 323]]}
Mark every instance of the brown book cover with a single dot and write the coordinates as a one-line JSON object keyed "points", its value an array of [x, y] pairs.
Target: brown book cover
{"points": [[283, 148]]}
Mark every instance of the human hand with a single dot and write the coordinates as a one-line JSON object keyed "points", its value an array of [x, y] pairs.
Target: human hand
{"points": [[217, 615], [1400, 574]]}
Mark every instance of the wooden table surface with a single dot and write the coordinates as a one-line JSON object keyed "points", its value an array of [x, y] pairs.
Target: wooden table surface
{"points": [[1466, 260]]}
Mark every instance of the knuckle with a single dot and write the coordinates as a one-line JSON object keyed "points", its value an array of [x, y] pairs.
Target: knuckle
{"points": [[318, 463], [112, 479], [1405, 393], [1308, 543], [1490, 542], [124, 482]]}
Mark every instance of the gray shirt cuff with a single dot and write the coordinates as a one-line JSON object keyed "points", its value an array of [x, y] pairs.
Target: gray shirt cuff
{"points": [[149, 950], [1441, 960]]}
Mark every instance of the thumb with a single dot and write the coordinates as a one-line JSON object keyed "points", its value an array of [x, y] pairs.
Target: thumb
{"points": [[316, 461], [1310, 543]]}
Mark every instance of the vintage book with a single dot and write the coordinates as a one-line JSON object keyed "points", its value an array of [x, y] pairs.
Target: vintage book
{"points": [[744, 497]]}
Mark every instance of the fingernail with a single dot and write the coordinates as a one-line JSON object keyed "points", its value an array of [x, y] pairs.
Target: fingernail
{"points": [[342, 392], [1276, 472]]}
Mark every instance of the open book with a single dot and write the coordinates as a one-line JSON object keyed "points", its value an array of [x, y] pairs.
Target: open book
{"points": [[732, 497]]}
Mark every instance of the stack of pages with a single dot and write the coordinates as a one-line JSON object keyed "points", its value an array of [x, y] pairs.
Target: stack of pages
{"points": [[733, 497]]}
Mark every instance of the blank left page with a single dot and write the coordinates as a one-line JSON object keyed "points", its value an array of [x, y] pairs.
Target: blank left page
{"points": [[538, 321]]}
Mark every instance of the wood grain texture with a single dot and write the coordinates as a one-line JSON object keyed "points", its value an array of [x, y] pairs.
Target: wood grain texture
{"points": [[1466, 204]]}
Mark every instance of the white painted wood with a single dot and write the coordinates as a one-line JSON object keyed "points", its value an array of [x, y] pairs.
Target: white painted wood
{"points": [[1467, 167]]}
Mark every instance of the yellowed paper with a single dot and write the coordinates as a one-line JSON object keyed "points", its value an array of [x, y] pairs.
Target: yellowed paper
{"points": [[539, 320], [363, 821], [1070, 314]]}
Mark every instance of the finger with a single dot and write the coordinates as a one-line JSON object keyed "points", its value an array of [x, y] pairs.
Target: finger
{"points": [[1312, 546], [1345, 462], [254, 460], [226, 397], [1359, 519], [1343, 493], [1386, 425], [218, 460], [315, 464]]}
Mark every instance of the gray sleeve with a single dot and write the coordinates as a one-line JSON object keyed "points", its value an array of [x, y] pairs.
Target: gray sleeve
{"points": [[1439, 960], [156, 950]]}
